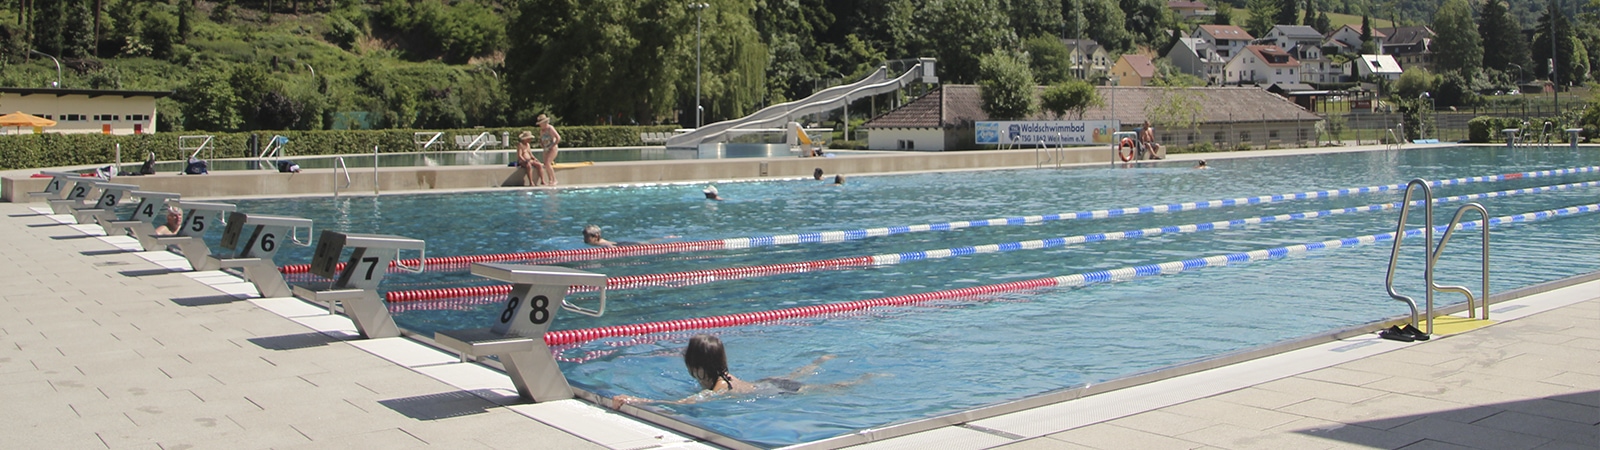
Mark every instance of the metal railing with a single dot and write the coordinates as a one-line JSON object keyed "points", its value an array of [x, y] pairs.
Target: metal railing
{"points": [[340, 167], [426, 139], [273, 151], [1432, 253]]}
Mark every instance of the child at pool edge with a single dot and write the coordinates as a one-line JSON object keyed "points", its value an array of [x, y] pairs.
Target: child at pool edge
{"points": [[707, 362]]}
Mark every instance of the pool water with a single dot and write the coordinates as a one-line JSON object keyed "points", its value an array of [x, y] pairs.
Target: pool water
{"points": [[935, 358]]}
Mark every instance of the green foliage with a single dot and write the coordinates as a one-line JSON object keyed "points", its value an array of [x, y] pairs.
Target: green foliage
{"points": [[1224, 15], [1454, 89], [209, 103], [1413, 83], [1263, 15], [1050, 59], [1035, 17], [1006, 85], [455, 31], [26, 151], [1176, 108], [1105, 22], [1457, 47], [1074, 96], [960, 32], [1288, 13], [1568, 68], [1502, 41]]}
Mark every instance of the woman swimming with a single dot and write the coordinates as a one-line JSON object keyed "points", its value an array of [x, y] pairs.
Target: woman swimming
{"points": [[707, 362]]}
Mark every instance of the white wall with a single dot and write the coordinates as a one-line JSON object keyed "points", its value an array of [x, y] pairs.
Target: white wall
{"points": [[59, 109], [891, 138]]}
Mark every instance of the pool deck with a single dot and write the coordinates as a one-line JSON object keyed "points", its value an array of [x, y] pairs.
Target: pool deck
{"points": [[120, 349]]}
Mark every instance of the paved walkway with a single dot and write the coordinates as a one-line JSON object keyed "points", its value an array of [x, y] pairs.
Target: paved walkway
{"points": [[105, 349]]}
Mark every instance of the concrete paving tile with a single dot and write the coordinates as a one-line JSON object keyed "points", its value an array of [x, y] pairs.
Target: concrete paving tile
{"points": [[1555, 429], [1342, 435], [1585, 343], [1231, 413], [1430, 444], [1043, 443], [1555, 409], [1237, 437], [1323, 389], [1263, 397], [1108, 436], [1164, 422], [268, 393], [1513, 386], [321, 421], [1471, 435], [1558, 445], [240, 439], [1574, 380], [1344, 376], [31, 436], [1439, 390], [382, 438], [152, 402], [1380, 413]]}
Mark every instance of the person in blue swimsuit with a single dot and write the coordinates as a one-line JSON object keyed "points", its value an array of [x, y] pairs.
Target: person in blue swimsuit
{"points": [[707, 362]]}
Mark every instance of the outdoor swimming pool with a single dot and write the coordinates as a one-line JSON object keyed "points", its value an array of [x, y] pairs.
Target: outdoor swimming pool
{"points": [[945, 356]]}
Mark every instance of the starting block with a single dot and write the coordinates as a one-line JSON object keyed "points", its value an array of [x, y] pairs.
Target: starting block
{"points": [[190, 238], [356, 285], [140, 223], [75, 197], [255, 256], [54, 190], [537, 292], [104, 209]]}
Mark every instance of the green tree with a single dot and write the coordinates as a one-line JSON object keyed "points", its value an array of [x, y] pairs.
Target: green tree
{"points": [[1288, 13], [208, 102], [1503, 45], [960, 32], [1006, 86], [1567, 68], [1075, 96], [1324, 25], [1148, 20], [1457, 48], [1369, 46], [47, 26], [1224, 15], [1413, 83], [1263, 15], [1175, 107], [1050, 59], [1035, 17], [1103, 21]]}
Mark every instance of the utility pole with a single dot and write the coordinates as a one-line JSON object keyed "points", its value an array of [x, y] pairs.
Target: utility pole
{"points": [[699, 112]]}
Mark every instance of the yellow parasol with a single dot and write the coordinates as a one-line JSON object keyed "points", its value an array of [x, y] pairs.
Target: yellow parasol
{"points": [[20, 119]]}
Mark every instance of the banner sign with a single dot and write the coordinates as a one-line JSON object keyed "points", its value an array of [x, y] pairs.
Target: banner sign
{"points": [[1053, 132]]}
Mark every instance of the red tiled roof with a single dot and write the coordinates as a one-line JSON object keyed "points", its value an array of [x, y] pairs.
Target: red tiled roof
{"points": [[1266, 52], [1141, 65], [961, 103], [1226, 32]]}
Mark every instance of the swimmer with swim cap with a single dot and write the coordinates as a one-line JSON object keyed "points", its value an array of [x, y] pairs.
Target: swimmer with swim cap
{"points": [[711, 193], [591, 236]]}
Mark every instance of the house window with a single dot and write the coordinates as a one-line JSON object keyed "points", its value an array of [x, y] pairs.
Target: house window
{"points": [[1191, 138], [73, 117], [1244, 136], [1272, 134], [1280, 72], [1218, 138], [1304, 134]]}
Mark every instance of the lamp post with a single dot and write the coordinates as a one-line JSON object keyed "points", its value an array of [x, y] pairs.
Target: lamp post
{"points": [[699, 112], [58, 66]]}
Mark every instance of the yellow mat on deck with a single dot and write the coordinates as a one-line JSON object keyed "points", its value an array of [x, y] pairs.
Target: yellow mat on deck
{"points": [[574, 165], [1444, 325]]}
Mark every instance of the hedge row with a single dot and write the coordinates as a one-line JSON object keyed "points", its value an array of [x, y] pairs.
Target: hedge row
{"points": [[28, 151], [1483, 129]]}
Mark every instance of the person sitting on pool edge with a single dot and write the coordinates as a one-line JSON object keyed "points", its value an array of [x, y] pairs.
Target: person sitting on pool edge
{"points": [[707, 362]]}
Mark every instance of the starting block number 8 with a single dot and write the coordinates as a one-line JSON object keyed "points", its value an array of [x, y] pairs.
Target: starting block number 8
{"points": [[538, 313]]}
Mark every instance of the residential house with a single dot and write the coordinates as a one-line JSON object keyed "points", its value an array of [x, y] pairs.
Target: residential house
{"points": [[1188, 10], [103, 111], [1290, 36], [1381, 66], [1226, 40], [944, 118], [1089, 59], [1197, 57], [1349, 38], [1305, 45], [1412, 47], [1262, 65], [1134, 70]]}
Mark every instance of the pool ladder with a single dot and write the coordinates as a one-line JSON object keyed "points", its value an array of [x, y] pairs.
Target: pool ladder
{"points": [[1043, 154], [340, 167], [1432, 254]]}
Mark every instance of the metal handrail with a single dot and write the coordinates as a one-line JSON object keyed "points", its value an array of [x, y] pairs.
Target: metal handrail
{"points": [[426, 138], [1434, 260], [479, 142], [1399, 235], [339, 166], [273, 149]]}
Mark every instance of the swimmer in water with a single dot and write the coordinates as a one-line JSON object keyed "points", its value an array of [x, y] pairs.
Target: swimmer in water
{"points": [[707, 362], [591, 236], [1202, 165], [711, 193]]}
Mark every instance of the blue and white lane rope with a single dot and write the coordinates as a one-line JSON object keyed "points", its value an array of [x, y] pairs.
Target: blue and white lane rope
{"points": [[839, 236], [698, 277], [896, 258], [564, 337], [595, 253]]}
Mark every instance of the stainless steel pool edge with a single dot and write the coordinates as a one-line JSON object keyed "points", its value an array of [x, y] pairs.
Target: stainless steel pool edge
{"points": [[1046, 399]]}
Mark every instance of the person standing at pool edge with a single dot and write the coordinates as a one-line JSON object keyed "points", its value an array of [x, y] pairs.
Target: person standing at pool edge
{"points": [[525, 160], [550, 140]]}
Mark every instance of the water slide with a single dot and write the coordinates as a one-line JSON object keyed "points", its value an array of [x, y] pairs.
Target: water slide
{"points": [[776, 116]]}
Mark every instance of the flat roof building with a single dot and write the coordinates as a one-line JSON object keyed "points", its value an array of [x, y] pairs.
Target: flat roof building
{"points": [[107, 111]]}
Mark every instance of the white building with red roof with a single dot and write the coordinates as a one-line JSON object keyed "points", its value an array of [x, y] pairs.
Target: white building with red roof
{"points": [[1262, 65], [1225, 40]]}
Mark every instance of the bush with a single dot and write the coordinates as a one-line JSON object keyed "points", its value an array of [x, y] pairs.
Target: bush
{"points": [[29, 151], [1482, 129]]}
